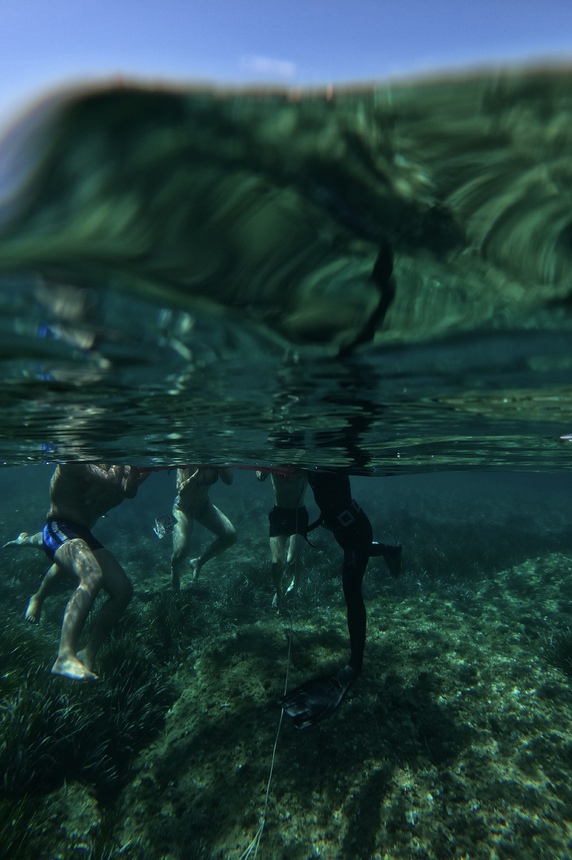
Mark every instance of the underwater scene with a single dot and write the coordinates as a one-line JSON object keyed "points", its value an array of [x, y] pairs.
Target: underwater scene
{"points": [[318, 343], [456, 740]]}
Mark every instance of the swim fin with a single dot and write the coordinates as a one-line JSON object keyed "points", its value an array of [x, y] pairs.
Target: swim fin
{"points": [[315, 700]]}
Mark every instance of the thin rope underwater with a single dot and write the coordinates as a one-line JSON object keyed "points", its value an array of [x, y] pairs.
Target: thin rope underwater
{"points": [[252, 850]]}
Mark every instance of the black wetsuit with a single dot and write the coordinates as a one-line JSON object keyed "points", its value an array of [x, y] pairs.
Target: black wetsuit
{"points": [[352, 530], [313, 701]]}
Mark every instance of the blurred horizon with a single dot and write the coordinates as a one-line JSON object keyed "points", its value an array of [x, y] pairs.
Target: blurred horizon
{"points": [[46, 48]]}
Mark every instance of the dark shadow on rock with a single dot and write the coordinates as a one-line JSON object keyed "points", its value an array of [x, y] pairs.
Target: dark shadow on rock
{"points": [[416, 725], [364, 812]]}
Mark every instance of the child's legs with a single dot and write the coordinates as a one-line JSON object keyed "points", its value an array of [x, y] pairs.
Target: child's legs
{"points": [[75, 557], [216, 522], [117, 584], [277, 548], [182, 532], [293, 559], [54, 575]]}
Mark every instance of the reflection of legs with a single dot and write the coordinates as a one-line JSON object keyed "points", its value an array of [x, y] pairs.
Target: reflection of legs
{"points": [[182, 532], [277, 547], [52, 577], [120, 591], [293, 562], [216, 522], [74, 556]]}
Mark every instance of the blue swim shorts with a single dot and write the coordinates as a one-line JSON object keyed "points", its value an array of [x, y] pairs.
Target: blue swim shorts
{"points": [[57, 532]]}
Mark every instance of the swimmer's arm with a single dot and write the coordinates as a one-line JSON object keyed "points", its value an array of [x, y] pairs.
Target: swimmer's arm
{"points": [[182, 486], [128, 477], [226, 475], [133, 480], [95, 473]]}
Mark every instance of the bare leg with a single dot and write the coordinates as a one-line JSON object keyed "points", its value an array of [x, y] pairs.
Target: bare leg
{"points": [[277, 547], [182, 532], [34, 610], [76, 557], [24, 539], [216, 522], [293, 562], [120, 590]]}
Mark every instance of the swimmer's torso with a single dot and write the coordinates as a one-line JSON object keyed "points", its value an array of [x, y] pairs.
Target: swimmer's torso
{"points": [[82, 493], [289, 490], [193, 484]]}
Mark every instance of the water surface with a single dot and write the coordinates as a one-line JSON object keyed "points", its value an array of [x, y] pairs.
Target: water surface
{"points": [[193, 275]]}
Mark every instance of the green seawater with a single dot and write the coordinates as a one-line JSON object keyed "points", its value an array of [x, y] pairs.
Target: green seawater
{"points": [[190, 277]]}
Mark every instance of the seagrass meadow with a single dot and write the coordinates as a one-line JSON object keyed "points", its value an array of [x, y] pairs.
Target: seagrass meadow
{"points": [[455, 742]]}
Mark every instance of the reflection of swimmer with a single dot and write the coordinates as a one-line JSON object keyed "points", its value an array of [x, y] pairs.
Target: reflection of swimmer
{"points": [[288, 527], [79, 495], [317, 699], [193, 503], [72, 311]]}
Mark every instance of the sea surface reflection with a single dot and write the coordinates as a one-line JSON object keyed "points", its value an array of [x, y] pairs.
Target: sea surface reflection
{"points": [[377, 280]]}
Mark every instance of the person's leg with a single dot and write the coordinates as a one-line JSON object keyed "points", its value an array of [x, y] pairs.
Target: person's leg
{"points": [[182, 531], [355, 538], [220, 525], [390, 554], [120, 590], [293, 560], [54, 575], [75, 557], [277, 548], [24, 539], [355, 562]]}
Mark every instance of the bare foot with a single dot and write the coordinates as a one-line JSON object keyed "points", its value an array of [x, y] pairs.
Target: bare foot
{"points": [[82, 656], [34, 610], [22, 538], [71, 667], [278, 600], [195, 568], [291, 588]]}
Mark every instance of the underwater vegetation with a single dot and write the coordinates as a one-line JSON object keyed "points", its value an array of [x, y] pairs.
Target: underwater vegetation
{"points": [[558, 648], [455, 742], [50, 735], [53, 734]]}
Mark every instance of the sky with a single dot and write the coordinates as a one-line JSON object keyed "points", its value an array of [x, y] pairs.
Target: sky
{"points": [[49, 43]]}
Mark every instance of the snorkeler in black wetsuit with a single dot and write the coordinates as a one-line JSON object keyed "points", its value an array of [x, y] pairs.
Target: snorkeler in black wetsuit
{"points": [[315, 700]]}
